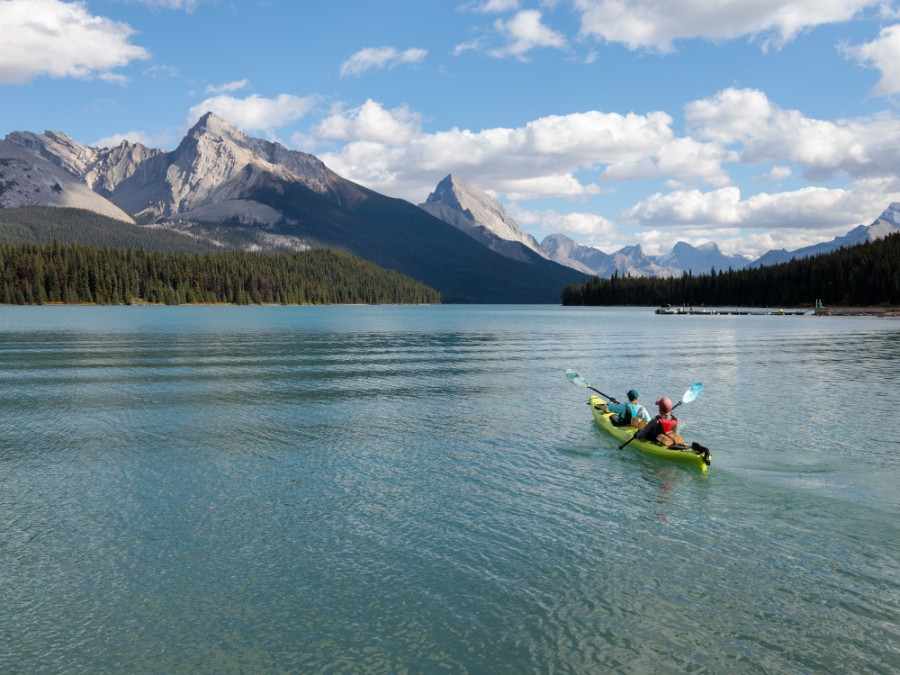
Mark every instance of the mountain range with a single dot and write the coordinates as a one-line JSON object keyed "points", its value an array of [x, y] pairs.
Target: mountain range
{"points": [[474, 212], [231, 190], [221, 188]]}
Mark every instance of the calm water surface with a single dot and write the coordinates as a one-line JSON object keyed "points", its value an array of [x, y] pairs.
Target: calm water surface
{"points": [[419, 489]]}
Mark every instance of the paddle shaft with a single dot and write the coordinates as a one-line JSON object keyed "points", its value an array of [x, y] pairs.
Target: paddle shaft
{"points": [[606, 396]]}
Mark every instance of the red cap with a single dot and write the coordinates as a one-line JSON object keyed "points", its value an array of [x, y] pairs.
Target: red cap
{"points": [[665, 405]]}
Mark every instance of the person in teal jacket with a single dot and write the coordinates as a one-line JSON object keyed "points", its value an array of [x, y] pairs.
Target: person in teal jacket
{"points": [[623, 413]]}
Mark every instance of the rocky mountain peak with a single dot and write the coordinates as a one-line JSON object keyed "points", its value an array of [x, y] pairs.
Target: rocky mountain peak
{"points": [[464, 206], [213, 130], [55, 146]]}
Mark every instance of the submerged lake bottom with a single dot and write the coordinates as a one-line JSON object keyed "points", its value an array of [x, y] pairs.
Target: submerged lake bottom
{"points": [[421, 489]]}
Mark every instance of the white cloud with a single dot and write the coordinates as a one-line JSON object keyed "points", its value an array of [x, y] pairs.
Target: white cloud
{"points": [[474, 45], [388, 151], [729, 116], [753, 225], [160, 70], [61, 39], [857, 148], [809, 207], [524, 32], [187, 5], [883, 54], [227, 88], [254, 113], [777, 173], [496, 6], [370, 122], [141, 137], [686, 207], [380, 57], [656, 24], [552, 185], [553, 222]]}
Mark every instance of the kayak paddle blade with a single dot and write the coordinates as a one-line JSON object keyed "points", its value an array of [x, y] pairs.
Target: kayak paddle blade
{"points": [[576, 379], [693, 393]]}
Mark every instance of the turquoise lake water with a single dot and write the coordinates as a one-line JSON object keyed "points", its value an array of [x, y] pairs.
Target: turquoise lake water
{"points": [[420, 489]]}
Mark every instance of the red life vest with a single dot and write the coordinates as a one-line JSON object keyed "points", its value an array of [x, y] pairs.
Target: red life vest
{"points": [[666, 424]]}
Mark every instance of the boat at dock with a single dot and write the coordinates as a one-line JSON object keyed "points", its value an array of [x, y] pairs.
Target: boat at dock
{"points": [[684, 309]]}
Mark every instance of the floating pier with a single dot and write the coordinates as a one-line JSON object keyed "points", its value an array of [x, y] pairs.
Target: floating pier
{"points": [[668, 309]]}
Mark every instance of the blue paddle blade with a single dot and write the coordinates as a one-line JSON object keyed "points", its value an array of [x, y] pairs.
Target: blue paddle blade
{"points": [[576, 379], [693, 393]]}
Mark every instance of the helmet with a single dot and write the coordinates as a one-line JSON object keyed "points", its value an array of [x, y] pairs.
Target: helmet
{"points": [[665, 405], [632, 395]]}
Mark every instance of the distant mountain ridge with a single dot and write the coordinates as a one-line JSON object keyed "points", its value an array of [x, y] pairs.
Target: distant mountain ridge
{"points": [[887, 223], [235, 191], [476, 213]]}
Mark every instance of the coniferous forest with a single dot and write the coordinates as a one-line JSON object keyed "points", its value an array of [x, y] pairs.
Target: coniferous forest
{"points": [[83, 273], [864, 275]]}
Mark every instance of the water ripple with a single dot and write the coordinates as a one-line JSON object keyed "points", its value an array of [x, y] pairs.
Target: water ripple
{"points": [[420, 489]]}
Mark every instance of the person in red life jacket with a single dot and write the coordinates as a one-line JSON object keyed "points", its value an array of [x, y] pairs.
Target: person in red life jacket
{"points": [[665, 423]]}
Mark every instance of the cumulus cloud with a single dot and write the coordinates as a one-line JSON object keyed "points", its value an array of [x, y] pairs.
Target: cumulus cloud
{"points": [[749, 226], [657, 24], [883, 54], [380, 57], [254, 113], [731, 115], [61, 39], [370, 122], [818, 206], [856, 148], [388, 151], [553, 222], [526, 31]]}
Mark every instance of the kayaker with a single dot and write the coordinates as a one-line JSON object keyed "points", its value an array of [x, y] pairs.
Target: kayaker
{"points": [[628, 414], [664, 424]]}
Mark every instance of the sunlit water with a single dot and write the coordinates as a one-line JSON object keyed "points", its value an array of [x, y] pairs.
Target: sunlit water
{"points": [[420, 489]]}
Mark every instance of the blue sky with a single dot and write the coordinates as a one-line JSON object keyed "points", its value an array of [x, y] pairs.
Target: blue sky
{"points": [[757, 124]]}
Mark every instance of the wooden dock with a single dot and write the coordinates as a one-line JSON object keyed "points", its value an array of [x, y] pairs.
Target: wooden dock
{"points": [[893, 312], [732, 312]]}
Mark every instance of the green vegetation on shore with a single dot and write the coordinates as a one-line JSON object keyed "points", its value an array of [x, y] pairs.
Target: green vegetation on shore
{"points": [[863, 275], [81, 273]]}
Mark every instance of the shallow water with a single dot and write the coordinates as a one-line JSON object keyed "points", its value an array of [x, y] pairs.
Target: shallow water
{"points": [[420, 489]]}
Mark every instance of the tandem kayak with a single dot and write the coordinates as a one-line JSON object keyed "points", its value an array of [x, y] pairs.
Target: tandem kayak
{"points": [[695, 455]]}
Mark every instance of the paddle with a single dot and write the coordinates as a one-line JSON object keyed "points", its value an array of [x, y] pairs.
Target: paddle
{"points": [[691, 394], [579, 381]]}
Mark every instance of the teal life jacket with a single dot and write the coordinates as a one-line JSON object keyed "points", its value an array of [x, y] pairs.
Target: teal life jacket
{"points": [[632, 410]]}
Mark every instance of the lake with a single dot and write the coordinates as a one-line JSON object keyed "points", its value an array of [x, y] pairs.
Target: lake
{"points": [[420, 489]]}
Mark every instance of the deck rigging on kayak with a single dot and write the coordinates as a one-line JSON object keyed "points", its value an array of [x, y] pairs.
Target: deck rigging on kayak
{"points": [[693, 454]]}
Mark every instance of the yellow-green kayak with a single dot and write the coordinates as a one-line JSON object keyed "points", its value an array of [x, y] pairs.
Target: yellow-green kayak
{"points": [[696, 455]]}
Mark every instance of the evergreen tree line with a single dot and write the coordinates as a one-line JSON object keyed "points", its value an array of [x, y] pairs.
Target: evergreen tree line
{"points": [[863, 275], [82, 273]]}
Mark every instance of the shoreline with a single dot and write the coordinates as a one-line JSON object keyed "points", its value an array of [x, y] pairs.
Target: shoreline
{"points": [[891, 312]]}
